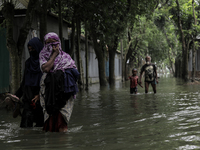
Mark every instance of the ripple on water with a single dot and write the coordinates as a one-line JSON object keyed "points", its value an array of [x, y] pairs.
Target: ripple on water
{"points": [[188, 147], [75, 129], [114, 119]]}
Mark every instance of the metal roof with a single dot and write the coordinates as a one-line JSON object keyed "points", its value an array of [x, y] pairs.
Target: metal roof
{"points": [[24, 2], [19, 4]]}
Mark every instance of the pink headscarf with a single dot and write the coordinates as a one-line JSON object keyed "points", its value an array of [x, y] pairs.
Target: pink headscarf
{"points": [[62, 61]]}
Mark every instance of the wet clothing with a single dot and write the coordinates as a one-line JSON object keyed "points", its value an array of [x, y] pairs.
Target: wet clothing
{"points": [[31, 113], [54, 123], [66, 110], [133, 84], [55, 95], [57, 87], [30, 87], [133, 81], [62, 61], [152, 82], [150, 72], [133, 90], [33, 73], [71, 76]]}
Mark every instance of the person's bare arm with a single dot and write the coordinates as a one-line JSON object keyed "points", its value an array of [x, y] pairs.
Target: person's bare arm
{"points": [[127, 78], [36, 98], [49, 64], [139, 83], [140, 77], [156, 75]]}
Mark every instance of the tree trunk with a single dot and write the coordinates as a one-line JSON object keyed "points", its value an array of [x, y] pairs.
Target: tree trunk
{"points": [[122, 63], [195, 20], [128, 57], [178, 69], [193, 48], [125, 68], [78, 28], [131, 50], [15, 70], [169, 55], [111, 66], [25, 29], [86, 56], [112, 51], [184, 49], [8, 12], [60, 22], [26, 26], [102, 73], [78, 43], [127, 54], [43, 20], [186, 64], [81, 74], [193, 60], [16, 49], [100, 57], [71, 51]]}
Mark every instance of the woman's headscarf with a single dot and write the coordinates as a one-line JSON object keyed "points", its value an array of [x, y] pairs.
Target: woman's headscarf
{"points": [[32, 70], [62, 61]]}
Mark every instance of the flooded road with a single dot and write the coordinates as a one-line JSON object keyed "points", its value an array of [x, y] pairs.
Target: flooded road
{"points": [[112, 119]]}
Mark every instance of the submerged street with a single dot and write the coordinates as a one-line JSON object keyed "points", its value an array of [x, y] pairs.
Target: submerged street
{"points": [[113, 119]]}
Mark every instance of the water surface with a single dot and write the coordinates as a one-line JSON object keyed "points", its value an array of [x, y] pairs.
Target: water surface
{"points": [[113, 119]]}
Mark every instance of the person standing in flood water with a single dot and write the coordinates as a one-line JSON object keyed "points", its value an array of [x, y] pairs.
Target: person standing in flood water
{"points": [[133, 81], [150, 75], [58, 84], [29, 89]]}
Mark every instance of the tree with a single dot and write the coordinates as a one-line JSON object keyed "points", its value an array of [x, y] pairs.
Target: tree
{"points": [[16, 48], [193, 42], [42, 13], [166, 26], [182, 14], [124, 15]]}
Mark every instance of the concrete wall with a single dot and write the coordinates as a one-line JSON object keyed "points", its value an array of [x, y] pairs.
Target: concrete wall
{"points": [[93, 70], [52, 26], [118, 66], [197, 57]]}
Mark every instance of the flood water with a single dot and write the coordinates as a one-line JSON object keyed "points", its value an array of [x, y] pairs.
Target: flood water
{"points": [[112, 119]]}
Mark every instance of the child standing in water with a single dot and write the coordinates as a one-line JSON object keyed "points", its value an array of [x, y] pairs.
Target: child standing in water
{"points": [[133, 81]]}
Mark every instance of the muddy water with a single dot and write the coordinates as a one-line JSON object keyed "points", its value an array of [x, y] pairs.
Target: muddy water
{"points": [[112, 119]]}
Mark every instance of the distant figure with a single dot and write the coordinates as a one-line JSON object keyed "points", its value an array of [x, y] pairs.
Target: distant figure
{"points": [[150, 75], [29, 89], [133, 82], [58, 84]]}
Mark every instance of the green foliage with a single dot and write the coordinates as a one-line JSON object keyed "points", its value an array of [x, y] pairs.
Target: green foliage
{"points": [[155, 31], [186, 15], [109, 19]]}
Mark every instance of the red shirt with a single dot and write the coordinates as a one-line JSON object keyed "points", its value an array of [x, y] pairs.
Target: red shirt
{"points": [[133, 81]]}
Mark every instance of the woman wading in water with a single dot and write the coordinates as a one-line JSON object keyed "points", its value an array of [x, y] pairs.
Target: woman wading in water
{"points": [[58, 84], [29, 89]]}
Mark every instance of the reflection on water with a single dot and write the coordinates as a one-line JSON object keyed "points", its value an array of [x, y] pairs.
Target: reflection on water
{"points": [[108, 119]]}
